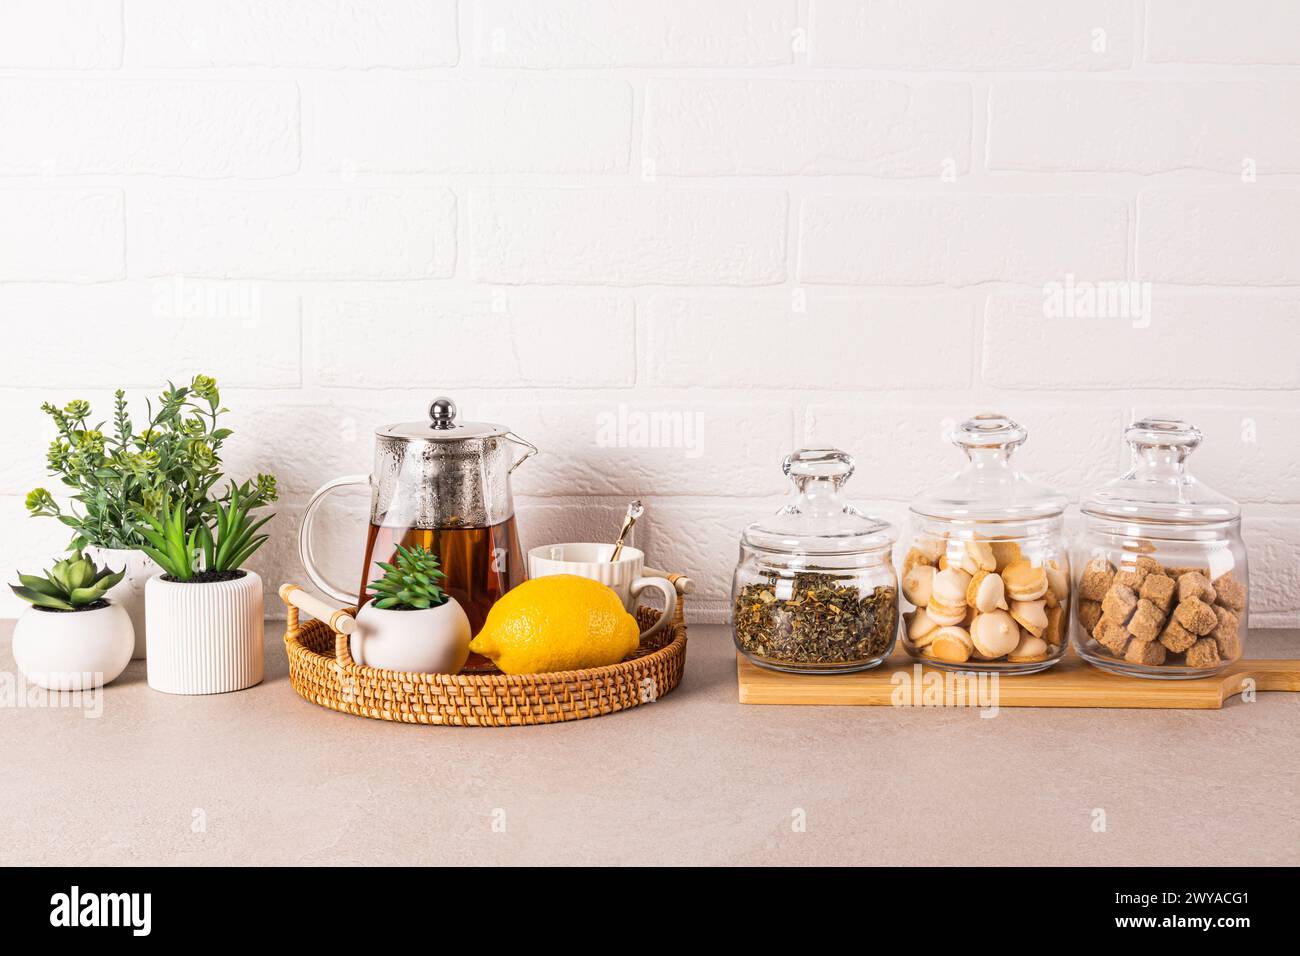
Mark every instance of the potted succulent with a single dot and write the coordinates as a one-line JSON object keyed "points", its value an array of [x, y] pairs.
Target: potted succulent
{"points": [[72, 637], [411, 624], [112, 470], [204, 611]]}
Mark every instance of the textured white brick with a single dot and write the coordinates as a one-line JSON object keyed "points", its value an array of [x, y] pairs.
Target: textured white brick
{"points": [[904, 449], [419, 124], [1167, 125], [991, 35], [816, 340], [556, 520], [960, 239], [1222, 31], [574, 340], [313, 33], [541, 34], [1249, 451], [871, 127], [1273, 549], [242, 333], [1193, 340], [293, 233], [166, 127], [71, 235], [629, 446], [1231, 235], [61, 34], [628, 236]]}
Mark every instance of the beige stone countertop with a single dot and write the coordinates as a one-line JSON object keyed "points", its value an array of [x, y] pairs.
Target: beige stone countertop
{"points": [[263, 777]]}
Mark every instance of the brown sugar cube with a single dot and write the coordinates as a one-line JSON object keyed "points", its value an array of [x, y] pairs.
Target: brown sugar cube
{"points": [[1197, 616], [1089, 614], [1118, 603], [1097, 578], [1134, 570], [1145, 622], [1194, 584], [1227, 634], [1159, 590], [1204, 653], [1145, 652], [1113, 637], [1176, 638], [1230, 592]]}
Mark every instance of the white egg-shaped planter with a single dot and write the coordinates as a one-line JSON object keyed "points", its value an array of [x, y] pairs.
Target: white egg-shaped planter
{"points": [[205, 637], [73, 650], [129, 592], [432, 641]]}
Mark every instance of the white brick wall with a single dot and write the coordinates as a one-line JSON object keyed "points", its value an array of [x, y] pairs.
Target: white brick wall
{"points": [[750, 223]]}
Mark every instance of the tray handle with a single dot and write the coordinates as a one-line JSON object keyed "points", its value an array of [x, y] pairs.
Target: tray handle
{"points": [[340, 620]]}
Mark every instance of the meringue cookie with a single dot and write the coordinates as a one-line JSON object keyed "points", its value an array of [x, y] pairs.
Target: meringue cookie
{"points": [[917, 584], [1024, 581], [991, 594], [949, 587], [995, 634], [1029, 649], [951, 645], [1058, 579], [921, 628], [1031, 615], [981, 552]]}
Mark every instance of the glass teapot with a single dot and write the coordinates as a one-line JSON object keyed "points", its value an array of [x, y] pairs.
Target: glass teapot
{"points": [[443, 485]]}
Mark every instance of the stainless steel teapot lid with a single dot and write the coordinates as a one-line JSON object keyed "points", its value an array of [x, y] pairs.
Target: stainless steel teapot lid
{"points": [[442, 426]]}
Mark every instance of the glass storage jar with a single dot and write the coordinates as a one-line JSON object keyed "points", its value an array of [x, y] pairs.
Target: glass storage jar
{"points": [[986, 576], [815, 590], [1162, 579]]}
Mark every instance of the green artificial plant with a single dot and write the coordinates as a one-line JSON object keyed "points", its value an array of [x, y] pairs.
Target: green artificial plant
{"points": [[73, 584], [410, 582], [184, 550], [116, 472]]}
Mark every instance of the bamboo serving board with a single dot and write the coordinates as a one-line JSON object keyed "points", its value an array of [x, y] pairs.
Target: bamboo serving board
{"points": [[1071, 683]]}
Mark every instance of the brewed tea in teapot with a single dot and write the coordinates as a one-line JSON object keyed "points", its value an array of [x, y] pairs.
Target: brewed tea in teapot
{"points": [[445, 486]]}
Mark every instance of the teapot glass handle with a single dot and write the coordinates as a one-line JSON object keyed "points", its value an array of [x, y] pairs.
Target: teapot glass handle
{"points": [[305, 549], [532, 450]]}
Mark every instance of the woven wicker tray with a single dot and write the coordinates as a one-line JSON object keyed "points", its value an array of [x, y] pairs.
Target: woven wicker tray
{"points": [[322, 671]]}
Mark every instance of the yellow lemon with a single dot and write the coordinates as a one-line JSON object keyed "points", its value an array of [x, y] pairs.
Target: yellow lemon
{"points": [[561, 622]]}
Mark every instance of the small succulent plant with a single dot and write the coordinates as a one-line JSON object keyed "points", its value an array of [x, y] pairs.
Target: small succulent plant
{"points": [[73, 584], [410, 583], [177, 547]]}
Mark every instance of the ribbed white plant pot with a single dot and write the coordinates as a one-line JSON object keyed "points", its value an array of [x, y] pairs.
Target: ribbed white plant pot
{"points": [[129, 592], [204, 638]]}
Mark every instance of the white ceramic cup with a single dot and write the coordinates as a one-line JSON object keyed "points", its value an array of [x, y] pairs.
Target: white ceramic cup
{"points": [[623, 576]]}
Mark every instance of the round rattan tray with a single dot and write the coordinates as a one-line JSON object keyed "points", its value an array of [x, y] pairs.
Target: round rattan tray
{"points": [[322, 671]]}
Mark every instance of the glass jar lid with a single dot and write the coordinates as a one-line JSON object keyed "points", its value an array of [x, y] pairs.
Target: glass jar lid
{"points": [[1158, 487], [816, 519], [990, 487]]}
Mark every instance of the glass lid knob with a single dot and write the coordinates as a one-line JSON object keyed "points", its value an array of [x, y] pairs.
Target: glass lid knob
{"points": [[818, 464], [442, 413], [1170, 435], [989, 430]]}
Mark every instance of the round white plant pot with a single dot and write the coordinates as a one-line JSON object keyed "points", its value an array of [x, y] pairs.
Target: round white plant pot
{"points": [[129, 592], [204, 638], [432, 641], [73, 650]]}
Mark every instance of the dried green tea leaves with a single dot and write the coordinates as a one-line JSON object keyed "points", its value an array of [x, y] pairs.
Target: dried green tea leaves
{"points": [[821, 622]]}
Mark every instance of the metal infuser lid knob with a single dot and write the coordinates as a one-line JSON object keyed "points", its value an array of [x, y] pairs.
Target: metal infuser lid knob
{"points": [[442, 413]]}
